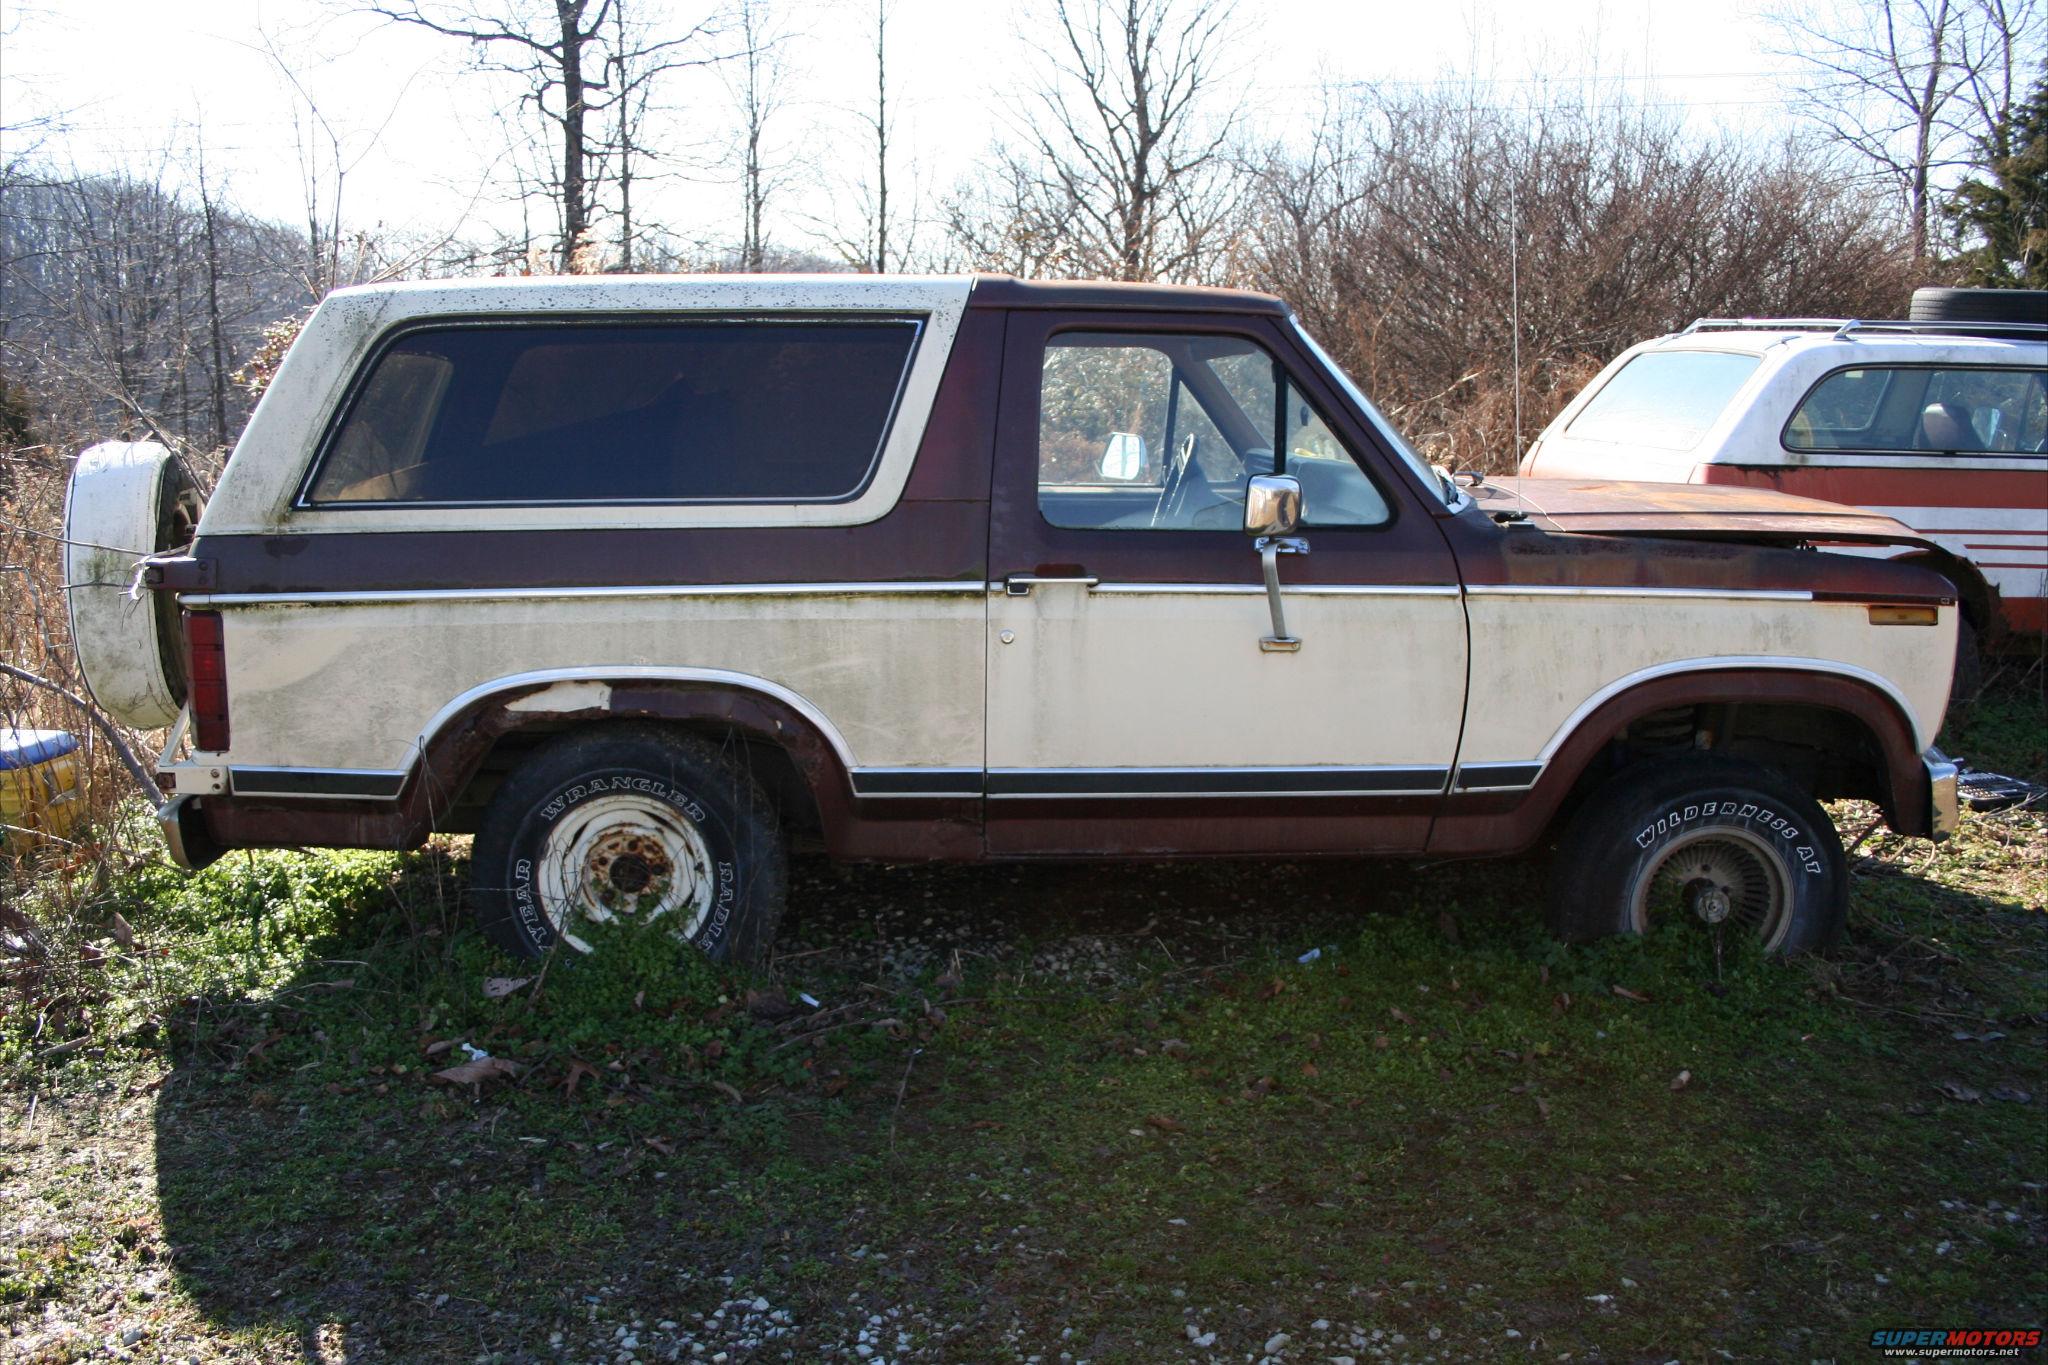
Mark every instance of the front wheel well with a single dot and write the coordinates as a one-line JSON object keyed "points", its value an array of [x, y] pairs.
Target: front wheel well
{"points": [[1828, 753], [1976, 599]]}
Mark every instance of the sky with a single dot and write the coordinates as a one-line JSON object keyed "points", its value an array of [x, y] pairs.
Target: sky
{"points": [[132, 80]]}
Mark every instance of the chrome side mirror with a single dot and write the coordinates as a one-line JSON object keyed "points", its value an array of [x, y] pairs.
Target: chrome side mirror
{"points": [[1272, 505]]}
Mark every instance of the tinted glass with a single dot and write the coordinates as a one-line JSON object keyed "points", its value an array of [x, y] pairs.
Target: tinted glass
{"points": [[1161, 432], [1971, 411], [1665, 400], [671, 412]]}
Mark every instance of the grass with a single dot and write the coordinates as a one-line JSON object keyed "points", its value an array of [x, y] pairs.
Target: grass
{"points": [[1095, 1111]]}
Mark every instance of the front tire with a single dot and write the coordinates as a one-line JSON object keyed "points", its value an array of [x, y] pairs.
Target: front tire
{"points": [[630, 823], [1711, 841]]}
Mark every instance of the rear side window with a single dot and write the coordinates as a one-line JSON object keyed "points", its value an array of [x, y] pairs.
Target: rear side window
{"points": [[1974, 411], [726, 410], [1665, 400]]}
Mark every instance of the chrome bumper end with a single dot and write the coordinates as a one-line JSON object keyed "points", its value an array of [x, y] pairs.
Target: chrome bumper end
{"points": [[185, 836], [1944, 811]]}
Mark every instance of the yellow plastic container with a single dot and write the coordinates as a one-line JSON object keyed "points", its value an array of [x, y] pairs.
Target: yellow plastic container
{"points": [[39, 787]]}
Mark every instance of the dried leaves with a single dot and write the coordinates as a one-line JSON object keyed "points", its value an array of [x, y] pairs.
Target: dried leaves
{"points": [[481, 1070]]}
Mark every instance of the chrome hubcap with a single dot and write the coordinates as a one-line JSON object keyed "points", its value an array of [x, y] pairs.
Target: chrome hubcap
{"points": [[1719, 877]]}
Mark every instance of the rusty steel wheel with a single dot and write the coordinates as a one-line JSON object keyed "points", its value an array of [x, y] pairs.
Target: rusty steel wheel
{"points": [[625, 856], [630, 823], [1722, 845]]}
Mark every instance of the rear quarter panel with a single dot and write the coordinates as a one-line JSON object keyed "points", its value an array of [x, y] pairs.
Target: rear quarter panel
{"points": [[351, 633]]}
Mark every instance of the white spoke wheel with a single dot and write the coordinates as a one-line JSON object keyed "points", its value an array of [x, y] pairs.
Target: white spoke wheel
{"points": [[1723, 846], [630, 824]]}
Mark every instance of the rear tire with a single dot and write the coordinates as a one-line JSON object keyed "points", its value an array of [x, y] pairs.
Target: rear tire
{"points": [[630, 822], [1706, 839]]}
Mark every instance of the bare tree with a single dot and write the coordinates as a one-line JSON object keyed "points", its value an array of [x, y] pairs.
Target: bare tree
{"points": [[874, 220], [1459, 258], [576, 59], [879, 123], [328, 154], [756, 79], [1914, 88], [636, 61], [129, 299], [1124, 168]]}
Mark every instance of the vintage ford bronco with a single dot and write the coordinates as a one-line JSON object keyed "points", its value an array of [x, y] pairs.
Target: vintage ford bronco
{"points": [[643, 581]]}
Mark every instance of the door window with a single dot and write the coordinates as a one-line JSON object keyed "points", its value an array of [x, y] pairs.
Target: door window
{"points": [[1161, 432]]}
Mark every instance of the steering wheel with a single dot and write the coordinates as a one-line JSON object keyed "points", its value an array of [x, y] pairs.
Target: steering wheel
{"points": [[1173, 488]]}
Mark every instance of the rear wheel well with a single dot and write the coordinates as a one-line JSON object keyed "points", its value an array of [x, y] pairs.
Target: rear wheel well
{"points": [[767, 762]]}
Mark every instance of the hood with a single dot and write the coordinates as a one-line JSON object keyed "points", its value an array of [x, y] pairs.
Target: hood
{"points": [[1714, 511]]}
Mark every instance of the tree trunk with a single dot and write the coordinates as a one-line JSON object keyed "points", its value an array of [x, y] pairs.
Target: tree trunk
{"points": [[575, 220], [881, 138], [1923, 131], [217, 343]]}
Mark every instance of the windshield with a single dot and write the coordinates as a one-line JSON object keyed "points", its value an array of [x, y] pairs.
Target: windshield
{"points": [[1445, 490], [1665, 400]]}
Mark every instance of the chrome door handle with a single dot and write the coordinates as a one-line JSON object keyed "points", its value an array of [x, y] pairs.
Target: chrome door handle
{"points": [[1021, 584]]}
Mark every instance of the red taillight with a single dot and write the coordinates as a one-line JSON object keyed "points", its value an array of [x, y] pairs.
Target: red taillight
{"points": [[209, 696]]}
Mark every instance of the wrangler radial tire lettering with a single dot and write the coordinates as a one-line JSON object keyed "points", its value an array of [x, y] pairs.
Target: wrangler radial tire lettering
{"points": [[1711, 841], [630, 822]]}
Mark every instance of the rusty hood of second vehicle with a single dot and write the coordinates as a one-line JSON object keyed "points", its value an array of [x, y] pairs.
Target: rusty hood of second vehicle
{"points": [[1613, 507]]}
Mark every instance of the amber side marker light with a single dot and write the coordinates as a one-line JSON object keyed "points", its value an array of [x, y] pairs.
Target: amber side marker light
{"points": [[1904, 616], [209, 694]]}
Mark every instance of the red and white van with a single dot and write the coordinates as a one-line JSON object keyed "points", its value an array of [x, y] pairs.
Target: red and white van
{"points": [[1941, 423]]}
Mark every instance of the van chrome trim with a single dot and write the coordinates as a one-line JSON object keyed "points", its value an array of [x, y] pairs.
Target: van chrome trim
{"points": [[1131, 783], [373, 784], [398, 597], [1574, 590]]}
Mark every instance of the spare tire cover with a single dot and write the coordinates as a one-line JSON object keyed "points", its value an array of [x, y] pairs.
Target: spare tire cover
{"points": [[127, 500]]}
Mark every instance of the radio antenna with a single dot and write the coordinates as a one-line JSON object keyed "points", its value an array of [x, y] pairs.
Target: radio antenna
{"points": [[1515, 308]]}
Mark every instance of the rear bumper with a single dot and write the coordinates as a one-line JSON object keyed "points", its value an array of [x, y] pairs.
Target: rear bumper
{"points": [[185, 835], [1944, 812]]}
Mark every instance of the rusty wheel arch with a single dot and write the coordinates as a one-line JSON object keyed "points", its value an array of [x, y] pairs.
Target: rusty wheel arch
{"points": [[1975, 595], [799, 762], [1592, 752]]}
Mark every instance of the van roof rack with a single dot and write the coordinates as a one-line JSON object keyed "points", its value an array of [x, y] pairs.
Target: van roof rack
{"points": [[1844, 327]]}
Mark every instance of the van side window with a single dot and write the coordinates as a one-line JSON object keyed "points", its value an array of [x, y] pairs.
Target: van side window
{"points": [[1160, 432], [710, 410], [1977, 411]]}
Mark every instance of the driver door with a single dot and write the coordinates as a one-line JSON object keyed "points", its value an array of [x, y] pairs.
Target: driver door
{"points": [[1132, 706]]}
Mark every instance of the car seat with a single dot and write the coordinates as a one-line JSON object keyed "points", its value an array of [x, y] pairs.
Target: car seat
{"points": [[1946, 426]]}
